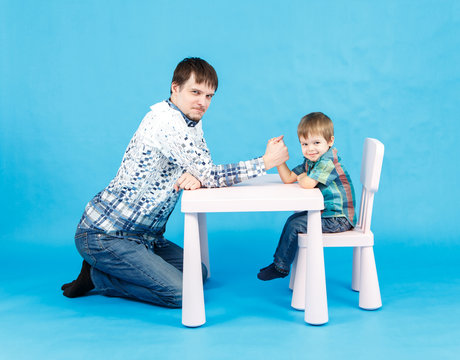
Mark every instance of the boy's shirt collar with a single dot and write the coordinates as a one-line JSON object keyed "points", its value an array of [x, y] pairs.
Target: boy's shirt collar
{"points": [[190, 123], [328, 155]]}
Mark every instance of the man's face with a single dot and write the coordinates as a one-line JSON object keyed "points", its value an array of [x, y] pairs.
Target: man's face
{"points": [[191, 98], [315, 146]]}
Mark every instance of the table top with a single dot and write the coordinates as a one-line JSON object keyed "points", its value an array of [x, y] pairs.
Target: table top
{"points": [[263, 193]]}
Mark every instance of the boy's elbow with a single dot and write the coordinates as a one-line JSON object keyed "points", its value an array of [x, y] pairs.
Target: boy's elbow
{"points": [[307, 184]]}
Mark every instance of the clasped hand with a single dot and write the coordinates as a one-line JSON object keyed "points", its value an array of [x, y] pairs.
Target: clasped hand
{"points": [[276, 152]]}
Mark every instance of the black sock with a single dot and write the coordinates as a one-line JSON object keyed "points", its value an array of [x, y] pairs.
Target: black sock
{"points": [[81, 285], [271, 272], [65, 286]]}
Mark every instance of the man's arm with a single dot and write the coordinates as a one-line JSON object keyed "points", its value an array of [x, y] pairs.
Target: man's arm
{"points": [[272, 156], [191, 154]]}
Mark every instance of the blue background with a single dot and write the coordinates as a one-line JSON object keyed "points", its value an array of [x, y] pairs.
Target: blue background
{"points": [[76, 78]]}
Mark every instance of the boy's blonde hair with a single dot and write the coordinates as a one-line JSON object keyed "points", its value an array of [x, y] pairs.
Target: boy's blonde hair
{"points": [[316, 123]]}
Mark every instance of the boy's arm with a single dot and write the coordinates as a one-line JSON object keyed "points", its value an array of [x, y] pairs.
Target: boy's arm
{"points": [[306, 182], [286, 175]]}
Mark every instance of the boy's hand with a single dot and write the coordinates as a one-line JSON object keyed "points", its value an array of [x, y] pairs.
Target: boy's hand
{"points": [[187, 182], [299, 177], [276, 153], [276, 140], [306, 182]]}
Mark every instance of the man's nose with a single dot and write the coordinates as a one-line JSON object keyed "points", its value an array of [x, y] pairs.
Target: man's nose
{"points": [[203, 101]]}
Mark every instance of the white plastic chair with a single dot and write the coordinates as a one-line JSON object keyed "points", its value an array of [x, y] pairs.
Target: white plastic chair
{"points": [[361, 238]]}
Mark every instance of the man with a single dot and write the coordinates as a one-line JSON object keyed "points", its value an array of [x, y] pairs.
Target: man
{"points": [[120, 235]]}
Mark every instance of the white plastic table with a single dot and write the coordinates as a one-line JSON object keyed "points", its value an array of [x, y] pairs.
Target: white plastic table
{"points": [[265, 193]]}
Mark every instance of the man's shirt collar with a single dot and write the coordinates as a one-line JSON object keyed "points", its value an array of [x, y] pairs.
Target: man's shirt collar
{"points": [[190, 123]]}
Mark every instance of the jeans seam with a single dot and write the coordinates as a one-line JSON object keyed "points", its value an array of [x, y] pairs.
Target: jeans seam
{"points": [[83, 237]]}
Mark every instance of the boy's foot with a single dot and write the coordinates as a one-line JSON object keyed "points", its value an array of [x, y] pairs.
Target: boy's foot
{"points": [[271, 272], [81, 285]]}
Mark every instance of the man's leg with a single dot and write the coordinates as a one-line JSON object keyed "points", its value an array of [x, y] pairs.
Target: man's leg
{"points": [[125, 267], [174, 255]]}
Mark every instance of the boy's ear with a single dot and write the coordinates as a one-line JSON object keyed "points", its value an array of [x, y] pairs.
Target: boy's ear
{"points": [[331, 142]]}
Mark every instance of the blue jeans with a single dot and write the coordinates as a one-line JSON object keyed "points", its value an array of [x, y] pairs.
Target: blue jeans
{"points": [[129, 266], [295, 224]]}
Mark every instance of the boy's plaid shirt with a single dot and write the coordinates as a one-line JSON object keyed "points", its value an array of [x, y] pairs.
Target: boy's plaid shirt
{"points": [[335, 185], [141, 196]]}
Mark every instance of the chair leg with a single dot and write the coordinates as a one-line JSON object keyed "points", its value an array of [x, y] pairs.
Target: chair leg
{"points": [[369, 294], [293, 270], [355, 271], [298, 290]]}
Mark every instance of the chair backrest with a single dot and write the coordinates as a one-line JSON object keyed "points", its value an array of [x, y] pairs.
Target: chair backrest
{"points": [[371, 168]]}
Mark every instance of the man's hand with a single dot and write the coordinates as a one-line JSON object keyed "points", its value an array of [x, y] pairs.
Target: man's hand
{"points": [[187, 182], [276, 153]]}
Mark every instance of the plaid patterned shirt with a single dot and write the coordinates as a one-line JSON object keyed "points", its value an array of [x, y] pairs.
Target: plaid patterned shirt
{"points": [[335, 185], [141, 196]]}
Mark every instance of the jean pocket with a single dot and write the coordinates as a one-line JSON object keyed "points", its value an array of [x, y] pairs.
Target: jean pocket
{"points": [[85, 246]]}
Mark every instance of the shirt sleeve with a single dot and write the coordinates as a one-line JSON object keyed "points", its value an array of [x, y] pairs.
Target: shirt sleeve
{"points": [[323, 171], [192, 154], [299, 169]]}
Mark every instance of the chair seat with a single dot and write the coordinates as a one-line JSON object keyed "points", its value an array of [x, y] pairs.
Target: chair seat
{"points": [[351, 238]]}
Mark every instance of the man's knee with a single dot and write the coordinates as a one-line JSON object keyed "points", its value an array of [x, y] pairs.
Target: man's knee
{"points": [[173, 299]]}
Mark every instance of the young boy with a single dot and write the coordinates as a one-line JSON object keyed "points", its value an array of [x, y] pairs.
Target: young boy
{"points": [[321, 168]]}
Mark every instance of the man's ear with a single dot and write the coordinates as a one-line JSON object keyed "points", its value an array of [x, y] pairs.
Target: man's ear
{"points": [[331, 142], [175, 87]]}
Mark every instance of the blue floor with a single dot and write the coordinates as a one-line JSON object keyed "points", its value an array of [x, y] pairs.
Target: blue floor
{"points": [[246, 318]]}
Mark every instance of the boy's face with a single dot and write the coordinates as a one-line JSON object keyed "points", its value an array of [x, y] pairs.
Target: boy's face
{"points": [[314, 146]]}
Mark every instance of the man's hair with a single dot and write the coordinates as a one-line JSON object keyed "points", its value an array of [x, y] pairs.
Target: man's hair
{"points": [[200, 68], [316, 123]]}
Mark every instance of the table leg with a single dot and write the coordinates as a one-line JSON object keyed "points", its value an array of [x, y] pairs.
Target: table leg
{"points": [[193, 312], [204, 241], [315, 293]]}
